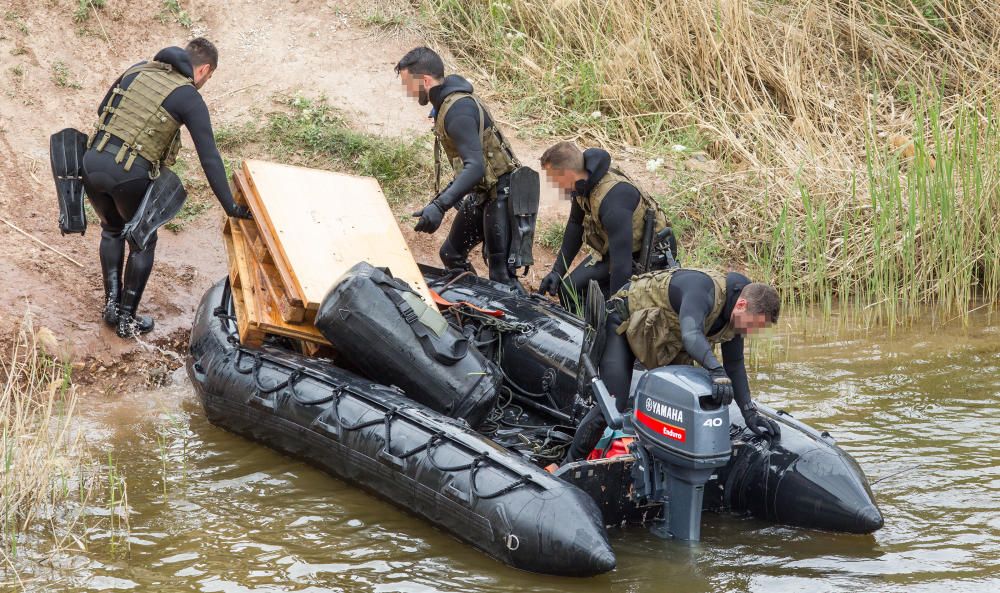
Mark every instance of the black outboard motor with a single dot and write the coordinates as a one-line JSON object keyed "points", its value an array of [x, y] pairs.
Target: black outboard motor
{"points": [[682, 439]]}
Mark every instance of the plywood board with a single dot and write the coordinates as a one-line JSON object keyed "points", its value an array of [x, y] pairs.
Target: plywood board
{"points": [[318, 224]]}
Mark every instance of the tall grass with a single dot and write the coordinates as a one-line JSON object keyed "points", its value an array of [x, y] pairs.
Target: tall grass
{"points": [[798, 99], [45, 479]]}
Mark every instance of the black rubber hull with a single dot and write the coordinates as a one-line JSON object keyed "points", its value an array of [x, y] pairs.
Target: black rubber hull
{"points": [[374, 437], [804, 480]]}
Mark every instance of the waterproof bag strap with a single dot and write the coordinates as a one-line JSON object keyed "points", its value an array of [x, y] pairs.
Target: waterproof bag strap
{"points": [[437, 165], [437, 345]]}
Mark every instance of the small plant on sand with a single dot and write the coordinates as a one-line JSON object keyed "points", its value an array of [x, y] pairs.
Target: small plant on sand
{"points": [[84, 8], [172, 11], [61, 76]]}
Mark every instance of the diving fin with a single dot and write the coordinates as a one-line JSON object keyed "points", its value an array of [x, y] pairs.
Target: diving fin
{"points": [[522, 211], [163, 200], [66, 149]]}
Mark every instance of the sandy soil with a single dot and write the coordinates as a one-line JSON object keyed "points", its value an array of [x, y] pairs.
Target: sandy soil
{"points": [[310, 46]]}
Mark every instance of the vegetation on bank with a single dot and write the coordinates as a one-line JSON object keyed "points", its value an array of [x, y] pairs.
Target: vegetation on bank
{"points": [[858, 138], [49, 486], [309, 132]]}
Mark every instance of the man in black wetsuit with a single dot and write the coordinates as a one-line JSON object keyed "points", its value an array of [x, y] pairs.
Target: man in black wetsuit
{"points": [[138, 132], [608, 214], [482, 161], [674, 317]]}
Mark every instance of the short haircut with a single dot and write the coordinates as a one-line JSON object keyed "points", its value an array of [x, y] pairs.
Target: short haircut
{"points": [[762, 299], [564, 156], [420, 61], [201, 51]]}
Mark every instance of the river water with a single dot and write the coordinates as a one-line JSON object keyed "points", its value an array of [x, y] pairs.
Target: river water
{"points": [[212, 512]]}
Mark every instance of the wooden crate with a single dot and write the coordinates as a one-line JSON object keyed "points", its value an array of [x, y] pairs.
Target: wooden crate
{"points": [[315, 225]]}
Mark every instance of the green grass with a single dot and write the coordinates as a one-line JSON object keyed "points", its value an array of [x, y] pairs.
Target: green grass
{"points": [[551, 236], [61, 76], [84, 8], [387, 17], [173, 11], [192, 209], [312, 133]]}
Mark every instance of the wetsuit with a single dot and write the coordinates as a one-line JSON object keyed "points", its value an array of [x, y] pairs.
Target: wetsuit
{"points": [[116, 194], [692, 295], [479, 219], [616, 214]]}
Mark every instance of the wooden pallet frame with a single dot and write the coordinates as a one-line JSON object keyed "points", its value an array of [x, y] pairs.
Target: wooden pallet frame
{"points": [[293, 289], [257, 307]]}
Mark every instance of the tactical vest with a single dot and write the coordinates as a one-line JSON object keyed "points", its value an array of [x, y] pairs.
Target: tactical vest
{"points": [[594, 233], [498, 157], [653, 328], [139, 120]]}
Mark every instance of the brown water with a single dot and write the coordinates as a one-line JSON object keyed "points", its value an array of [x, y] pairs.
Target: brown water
{"points": [[213, 512]]}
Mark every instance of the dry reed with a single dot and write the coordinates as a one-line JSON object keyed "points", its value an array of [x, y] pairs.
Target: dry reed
{"points": [[800, 99]]}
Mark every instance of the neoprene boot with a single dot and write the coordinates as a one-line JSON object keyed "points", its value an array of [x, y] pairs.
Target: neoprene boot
{"points": [[112, 260], [130, 324], [137, 271], [110, 313], [499, 272]]}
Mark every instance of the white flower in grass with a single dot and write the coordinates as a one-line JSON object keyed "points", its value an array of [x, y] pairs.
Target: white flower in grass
{"points": [[653, 164], [678, 148], [596, 115]]}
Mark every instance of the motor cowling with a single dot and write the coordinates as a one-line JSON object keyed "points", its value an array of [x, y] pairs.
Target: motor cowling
{"points": [[682, 438]]}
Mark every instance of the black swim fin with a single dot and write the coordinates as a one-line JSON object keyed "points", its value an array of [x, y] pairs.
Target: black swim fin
{"points": [[163, 200], [66, 149]]}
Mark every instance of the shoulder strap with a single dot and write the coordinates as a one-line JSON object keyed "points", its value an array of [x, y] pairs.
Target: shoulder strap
{"points": [[440, 345]]}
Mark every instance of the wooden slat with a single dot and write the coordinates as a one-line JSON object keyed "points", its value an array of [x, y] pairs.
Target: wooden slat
{"points": [[255, 313], [318, 224], [249, 335], [269, 279], [266, 236]]}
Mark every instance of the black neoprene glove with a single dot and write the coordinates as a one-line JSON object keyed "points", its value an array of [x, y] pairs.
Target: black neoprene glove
{"points": [[550, 283], [761, 425], [722, 387], [238, 211], [430, 218]]}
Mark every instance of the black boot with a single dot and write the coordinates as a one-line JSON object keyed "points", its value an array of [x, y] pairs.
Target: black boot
{"points": [[130, 324], [112, 260], [499, 272], [137, 271]]}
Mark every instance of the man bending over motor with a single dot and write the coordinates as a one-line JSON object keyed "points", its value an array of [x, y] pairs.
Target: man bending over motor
{"points": [[674, 317]]}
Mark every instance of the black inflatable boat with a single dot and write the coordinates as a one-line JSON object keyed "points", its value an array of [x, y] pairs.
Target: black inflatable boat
{"points": [[471, 464]]}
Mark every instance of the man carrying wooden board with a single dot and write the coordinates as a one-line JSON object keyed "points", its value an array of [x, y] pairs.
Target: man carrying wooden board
{"points": [[124, 168], [497, 198]]}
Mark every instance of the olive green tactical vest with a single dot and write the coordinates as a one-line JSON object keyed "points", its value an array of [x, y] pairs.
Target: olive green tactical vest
{"points": [[497, 154], [594, 233], [653, 328], [140, 121]]}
